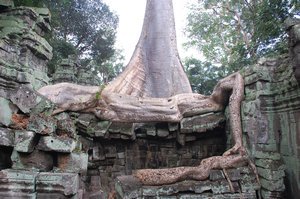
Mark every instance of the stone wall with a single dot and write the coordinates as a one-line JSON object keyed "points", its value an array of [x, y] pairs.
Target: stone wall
{"points": [[69, 70], [76, 155], [271, 112]]}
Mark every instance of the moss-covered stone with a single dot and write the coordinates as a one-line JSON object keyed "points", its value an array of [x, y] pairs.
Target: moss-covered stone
{"points": [[72, 163], [25, 141], [37, 160], [7, 137], [57, 144]]}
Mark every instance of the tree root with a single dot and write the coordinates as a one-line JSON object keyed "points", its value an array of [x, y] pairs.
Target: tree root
{"points": [[201, 172]]}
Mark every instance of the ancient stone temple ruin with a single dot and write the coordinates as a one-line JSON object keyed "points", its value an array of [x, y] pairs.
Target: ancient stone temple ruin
{"points": [[74, 154]]}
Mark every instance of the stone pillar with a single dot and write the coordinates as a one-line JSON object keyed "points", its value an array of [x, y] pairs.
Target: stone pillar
{"points": [[24, 52], [292, 26], [66, 70], [86, 77]]}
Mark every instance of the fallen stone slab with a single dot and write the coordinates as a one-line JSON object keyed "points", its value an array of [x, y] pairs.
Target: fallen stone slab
{"points": [[57, 144], [201, 123]]}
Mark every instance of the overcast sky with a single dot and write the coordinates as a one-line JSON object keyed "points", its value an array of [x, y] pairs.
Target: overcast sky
{"points": [[131, 15]]}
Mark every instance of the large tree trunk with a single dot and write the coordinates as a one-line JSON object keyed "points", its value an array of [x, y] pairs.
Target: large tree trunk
{"points": [[154, 88], [155, 69]]}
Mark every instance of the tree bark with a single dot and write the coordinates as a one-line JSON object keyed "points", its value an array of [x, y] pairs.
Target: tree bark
{"points": [[155, 69], [154, 88]]}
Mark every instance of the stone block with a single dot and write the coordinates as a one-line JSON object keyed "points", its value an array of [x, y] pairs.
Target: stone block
{"points": [[272, 185], [6, 4], [220, 187], [173, 126], [66, 184], [7, 137], [42, 124], [53, 195], [24, 98], [18, 195], [98, 129], [270, 174], [249, 185], [122, 128], [17, 183], [128, 187], [216, 175], [201, 123], [65, 125], [6, 112], [202, 186], [267, 155], [25, 141], [37, 160], [270, 164], [162, 132], [73, 162], [266, 194], [57, 144]]}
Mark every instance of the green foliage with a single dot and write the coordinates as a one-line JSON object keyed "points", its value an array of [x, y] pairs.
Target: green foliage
{"points": [[110, 68], [234, 33], [83, 28], [204, 76], [62, 49], [29, 3]]}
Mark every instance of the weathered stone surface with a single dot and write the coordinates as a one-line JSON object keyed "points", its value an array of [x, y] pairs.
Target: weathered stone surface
{"points": [[86, 77], [272, 175], [272, 194], [42, 124], [15, 183], [6, 112], [98, 129], [25, 141], [65, 72], [270, 164], [66, 184], [130, 187], [57, 144], [65, 126], [37, 160], [72, 163], [162, 132], [24, 52], [273, 185], [83, 121], [7, 137], [201, 123], [267, 155], [122, 128], [6, 4]]}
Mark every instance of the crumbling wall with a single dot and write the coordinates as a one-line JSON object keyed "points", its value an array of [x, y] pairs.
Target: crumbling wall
{"points": [[271, 125], [76, 155]]}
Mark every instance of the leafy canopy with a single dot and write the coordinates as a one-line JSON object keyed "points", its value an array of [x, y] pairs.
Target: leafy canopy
{"points": [[86, 28], [235, 33], [232, 34]]}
